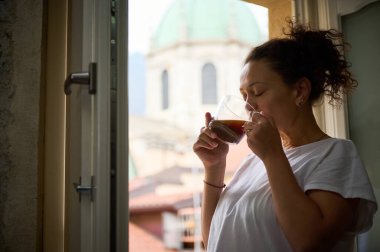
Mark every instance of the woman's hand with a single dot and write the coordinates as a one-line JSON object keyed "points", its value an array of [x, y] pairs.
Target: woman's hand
{"points": [[209, 148], [263, 137]]}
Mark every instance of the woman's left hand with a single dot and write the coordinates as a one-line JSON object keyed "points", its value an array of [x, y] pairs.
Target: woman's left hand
{"points": [[263, 137]]}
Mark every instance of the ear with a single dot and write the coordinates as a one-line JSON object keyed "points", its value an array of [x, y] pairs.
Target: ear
{"points": [[302, 90]]}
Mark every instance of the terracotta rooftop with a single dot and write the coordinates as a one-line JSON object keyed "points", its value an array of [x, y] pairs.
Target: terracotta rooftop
{"points": [[153, 202], [136, 183], [143, 196], [142, 241]]}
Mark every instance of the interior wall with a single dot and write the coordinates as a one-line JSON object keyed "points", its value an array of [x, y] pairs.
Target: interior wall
{"points": [[278, 12], [21, 36], [361, 29]]}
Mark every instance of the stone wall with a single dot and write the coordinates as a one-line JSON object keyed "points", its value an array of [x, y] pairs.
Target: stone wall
{"points": [[21, 36]]}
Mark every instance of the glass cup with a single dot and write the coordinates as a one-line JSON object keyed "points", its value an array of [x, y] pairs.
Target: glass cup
{"points": [[231, 114]]}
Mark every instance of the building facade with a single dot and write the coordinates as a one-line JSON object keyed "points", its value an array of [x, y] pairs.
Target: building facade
{"points": [[196, 56]]}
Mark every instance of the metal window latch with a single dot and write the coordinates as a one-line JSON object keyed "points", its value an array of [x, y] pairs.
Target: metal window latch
{"points": [[89, 189], [84, 78]]}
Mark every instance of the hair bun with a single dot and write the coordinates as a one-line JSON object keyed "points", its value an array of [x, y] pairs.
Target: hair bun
{"points": [[314, 54]]}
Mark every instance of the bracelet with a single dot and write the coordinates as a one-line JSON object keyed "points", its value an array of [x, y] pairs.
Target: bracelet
{"points": [[219, 187]]}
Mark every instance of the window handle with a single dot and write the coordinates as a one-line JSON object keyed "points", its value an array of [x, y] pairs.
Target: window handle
{"points": [[83, 78]]}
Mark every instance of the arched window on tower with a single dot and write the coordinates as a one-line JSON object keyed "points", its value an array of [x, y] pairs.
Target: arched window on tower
{"points": [[209, 87], [165, 89]]}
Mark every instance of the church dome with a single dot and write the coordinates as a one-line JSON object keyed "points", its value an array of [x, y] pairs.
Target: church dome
{"points": [[206, 20]]}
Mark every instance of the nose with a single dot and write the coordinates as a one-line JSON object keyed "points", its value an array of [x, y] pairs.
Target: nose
{"points": [[250, 105]]}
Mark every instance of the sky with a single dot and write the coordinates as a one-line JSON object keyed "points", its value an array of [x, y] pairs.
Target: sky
{"points": [[145, 15]]}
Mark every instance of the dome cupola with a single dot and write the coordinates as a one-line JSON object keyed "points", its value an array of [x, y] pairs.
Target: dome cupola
{"points": [[194, 21]]}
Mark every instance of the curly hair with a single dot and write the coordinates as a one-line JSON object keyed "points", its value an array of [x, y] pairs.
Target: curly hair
{"points": [[314, 54]]}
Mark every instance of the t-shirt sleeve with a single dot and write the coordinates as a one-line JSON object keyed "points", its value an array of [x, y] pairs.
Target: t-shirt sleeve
{"points": [[343, 172]]}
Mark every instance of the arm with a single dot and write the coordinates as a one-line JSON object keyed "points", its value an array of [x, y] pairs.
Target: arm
{"points": [[210, 200], [311, 221], [212, 152]]}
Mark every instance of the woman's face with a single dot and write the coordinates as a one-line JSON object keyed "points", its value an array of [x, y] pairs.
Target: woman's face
{"points": [[266, 91]]}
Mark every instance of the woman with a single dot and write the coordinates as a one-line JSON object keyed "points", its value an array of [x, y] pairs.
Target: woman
{"points": [[300, 189]]}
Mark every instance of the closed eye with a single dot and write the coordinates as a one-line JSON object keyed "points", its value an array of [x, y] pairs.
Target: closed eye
{"points": [[259, 93]]}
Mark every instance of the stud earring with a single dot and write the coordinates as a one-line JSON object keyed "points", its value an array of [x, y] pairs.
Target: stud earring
{"points": [[300, 104]]}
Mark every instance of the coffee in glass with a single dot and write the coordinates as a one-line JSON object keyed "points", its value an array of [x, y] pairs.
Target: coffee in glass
{"points": [[231, 114]]}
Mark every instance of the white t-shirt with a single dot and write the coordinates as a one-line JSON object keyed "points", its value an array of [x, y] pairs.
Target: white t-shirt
{"points": [[244, 219]]}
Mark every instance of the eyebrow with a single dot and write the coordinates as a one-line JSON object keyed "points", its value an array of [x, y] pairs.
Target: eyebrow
{"points": [[254, 83]]}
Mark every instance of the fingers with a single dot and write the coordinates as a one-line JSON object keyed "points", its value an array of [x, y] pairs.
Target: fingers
{"points": [[256, 119], [208, 136], [207, 139], [247, 131], [253, 113], [208, 132], [269, 119], [257, 116], [257, 122], [204, 144], [208, 118]]}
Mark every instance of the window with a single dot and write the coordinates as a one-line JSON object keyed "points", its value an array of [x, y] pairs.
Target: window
{"points": [[165, 89], [183, 55], [209, 88]]}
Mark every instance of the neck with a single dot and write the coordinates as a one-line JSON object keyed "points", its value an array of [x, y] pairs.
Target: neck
{"points": [[303, 131]]}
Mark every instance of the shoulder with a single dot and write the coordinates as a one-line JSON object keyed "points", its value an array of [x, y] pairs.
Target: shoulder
{"points": [[345, 144], [339, 168], [324, 150], [338, 148], [328, 160]]}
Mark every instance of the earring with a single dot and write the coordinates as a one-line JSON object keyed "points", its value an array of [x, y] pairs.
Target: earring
{"points": [[300, 104]]}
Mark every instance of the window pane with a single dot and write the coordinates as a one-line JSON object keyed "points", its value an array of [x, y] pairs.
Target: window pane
{"points": [[165, 90], [193, 53], [209, 85]]}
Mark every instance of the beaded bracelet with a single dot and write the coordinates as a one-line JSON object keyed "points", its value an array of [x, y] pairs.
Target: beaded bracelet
{"points": [[219, 187]]}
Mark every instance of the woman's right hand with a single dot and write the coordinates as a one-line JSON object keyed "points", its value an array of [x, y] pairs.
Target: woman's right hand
{"points": [[209, 148]]}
